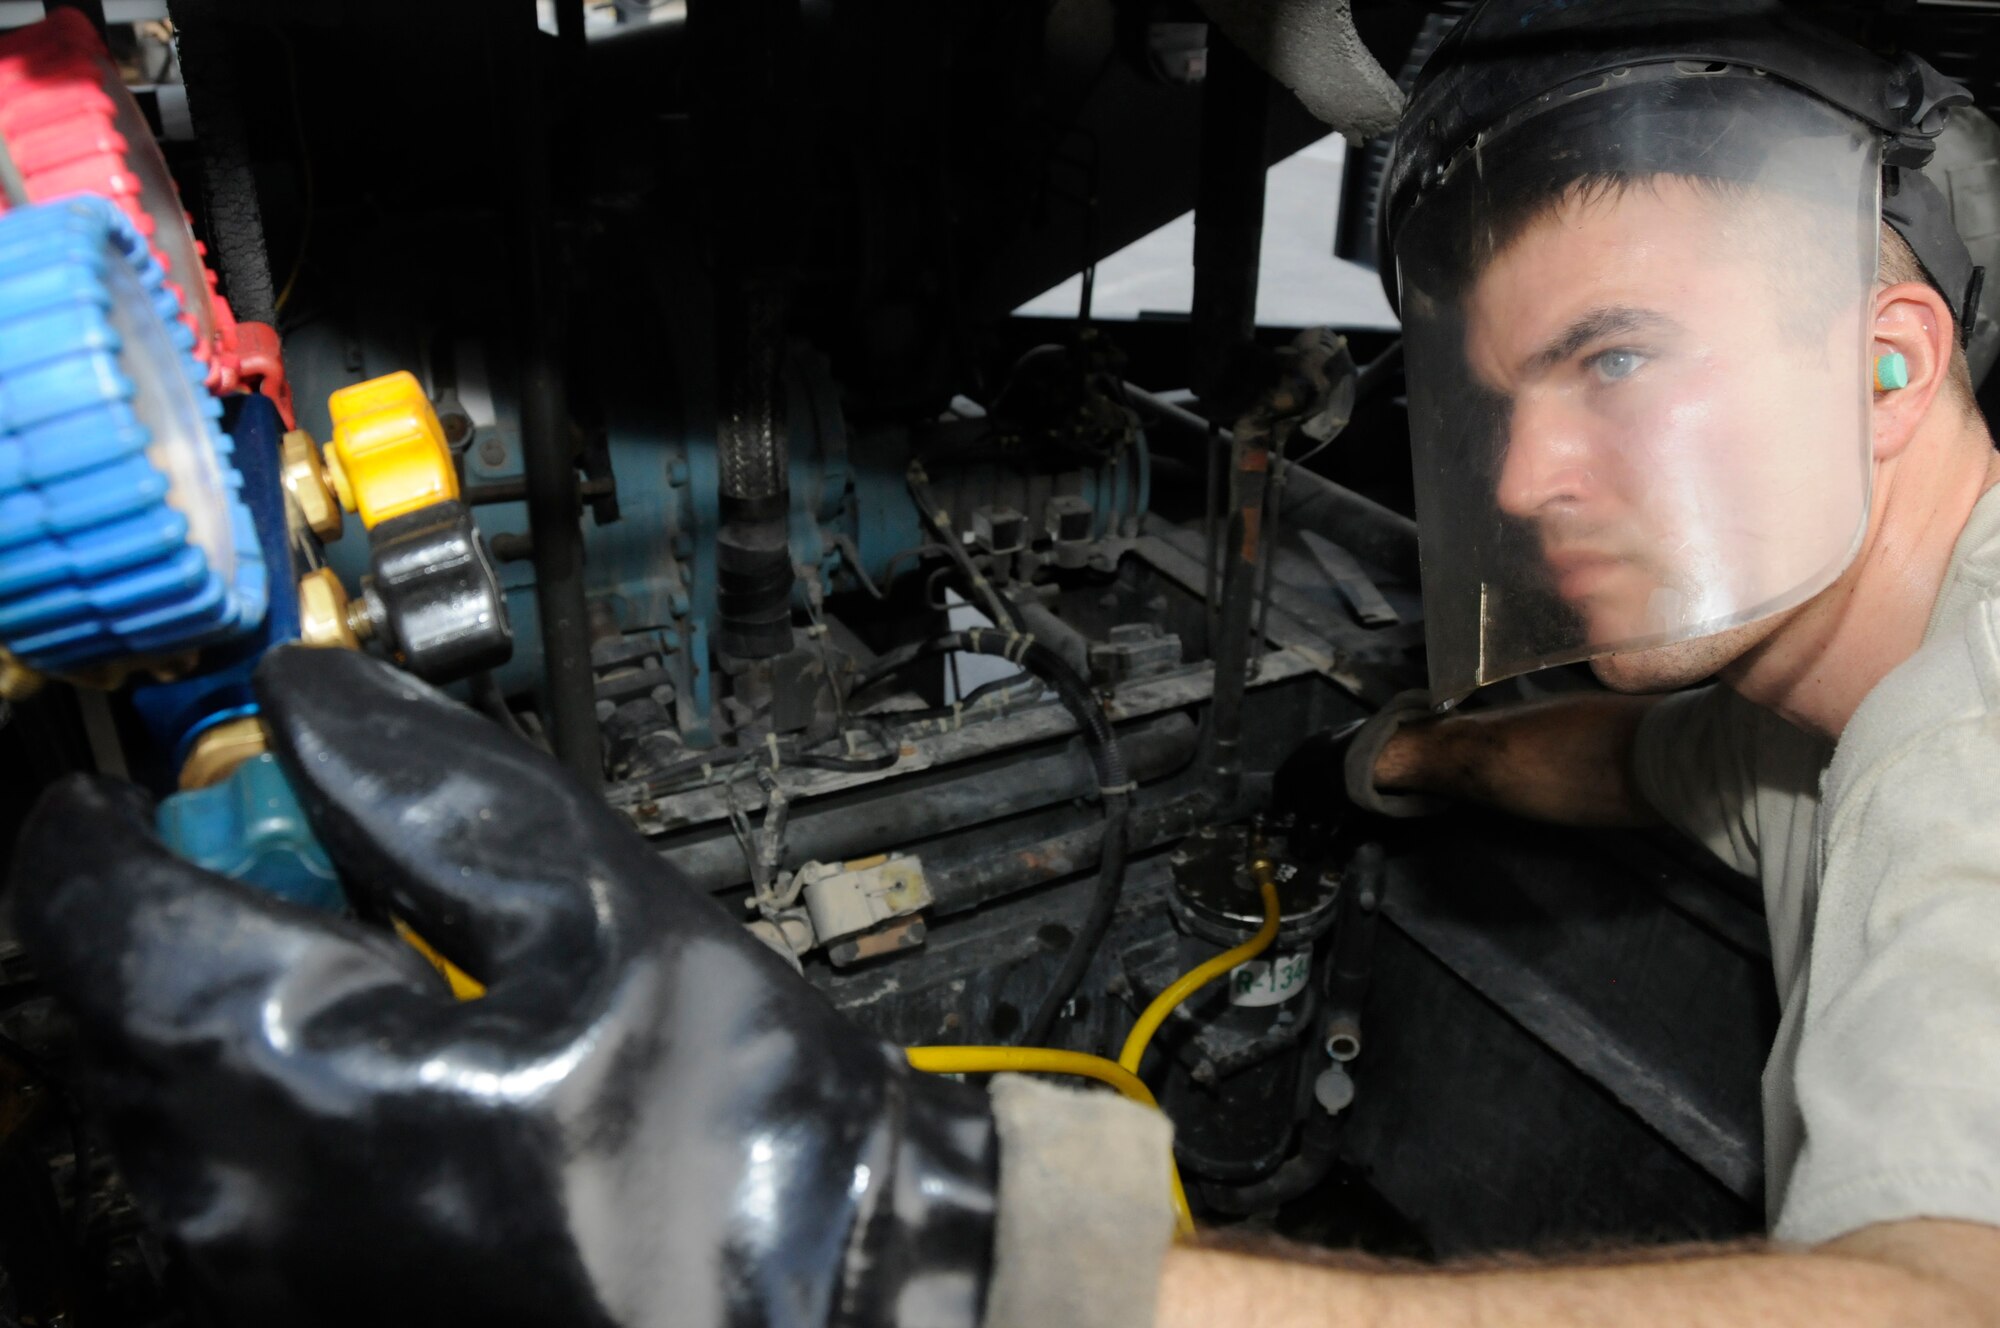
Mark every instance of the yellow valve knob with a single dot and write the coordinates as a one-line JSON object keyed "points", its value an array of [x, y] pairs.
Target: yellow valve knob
{"points": [[388, 455]]}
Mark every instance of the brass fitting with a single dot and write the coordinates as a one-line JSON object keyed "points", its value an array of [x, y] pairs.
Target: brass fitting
{"points": [[304, 472], [220, 750], [18, 682], [325, 615], [361, 619]]}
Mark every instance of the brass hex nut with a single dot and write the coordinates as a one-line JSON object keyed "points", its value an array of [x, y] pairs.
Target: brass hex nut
{"points": [[220, 750], [323, 617], [18, 682], [305, 479]]}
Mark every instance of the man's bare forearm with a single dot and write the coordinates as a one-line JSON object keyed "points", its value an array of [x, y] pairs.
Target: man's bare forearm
{"points": [[1833, 1287], [1568, 760]]}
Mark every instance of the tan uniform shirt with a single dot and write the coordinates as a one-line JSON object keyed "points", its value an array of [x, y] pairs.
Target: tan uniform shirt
{"points": [[1880, 864]]}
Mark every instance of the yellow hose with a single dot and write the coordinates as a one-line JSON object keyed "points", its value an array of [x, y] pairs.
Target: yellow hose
{"points": [[1123, 1074], [1043, 1060], [1188, 983]]}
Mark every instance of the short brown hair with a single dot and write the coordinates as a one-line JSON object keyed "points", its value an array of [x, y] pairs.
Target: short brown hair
{"points": [[1899, 264]]}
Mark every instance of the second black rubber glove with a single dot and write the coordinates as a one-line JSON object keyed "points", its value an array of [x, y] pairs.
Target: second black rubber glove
{"points": [[1330, 776], [646, 1120]]}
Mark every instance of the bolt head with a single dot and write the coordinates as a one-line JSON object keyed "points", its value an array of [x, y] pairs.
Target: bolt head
{"points": [[303, 472], [323, 617]]}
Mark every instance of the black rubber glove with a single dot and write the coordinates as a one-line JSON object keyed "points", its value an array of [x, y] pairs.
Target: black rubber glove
{"points": [[1328, 781], [647, 1120]]}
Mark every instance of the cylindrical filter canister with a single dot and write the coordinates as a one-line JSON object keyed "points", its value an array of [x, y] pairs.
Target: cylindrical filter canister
{"points": [[1240, 1048]]}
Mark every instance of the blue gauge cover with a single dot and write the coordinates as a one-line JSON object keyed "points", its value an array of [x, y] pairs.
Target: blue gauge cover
{"points": [[123, 533]]}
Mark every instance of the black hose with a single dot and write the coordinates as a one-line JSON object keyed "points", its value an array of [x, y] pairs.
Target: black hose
{"points": [[882, 760], [981, 591], [966, 706], [487, 695], [1100, 740], [1318, 1150]]}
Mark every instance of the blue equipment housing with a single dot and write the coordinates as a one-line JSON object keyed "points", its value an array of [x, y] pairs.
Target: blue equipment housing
{"points": [[175, 713]]}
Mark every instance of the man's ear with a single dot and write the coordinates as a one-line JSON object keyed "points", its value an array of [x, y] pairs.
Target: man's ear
{"points": [[1911, 320]]}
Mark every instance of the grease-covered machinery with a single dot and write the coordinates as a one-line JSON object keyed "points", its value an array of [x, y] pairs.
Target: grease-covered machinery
{"points": [[689, 436]]}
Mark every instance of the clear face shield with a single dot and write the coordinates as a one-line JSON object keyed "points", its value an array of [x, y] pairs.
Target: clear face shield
{"points": [[1638, 330]]}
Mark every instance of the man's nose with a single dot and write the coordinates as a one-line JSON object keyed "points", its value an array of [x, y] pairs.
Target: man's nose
{"points": [[1550, 455]]}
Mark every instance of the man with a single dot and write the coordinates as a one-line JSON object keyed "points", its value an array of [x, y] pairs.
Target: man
{"points": [[647, 1120]]}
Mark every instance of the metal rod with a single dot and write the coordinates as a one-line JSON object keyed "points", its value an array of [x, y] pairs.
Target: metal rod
{"points": [[1377, 535], [549, 462], [1366, 529], [1228, 210], [1211, 534], [1274, 510], [969, 869], [516, 491], [847, 826]]}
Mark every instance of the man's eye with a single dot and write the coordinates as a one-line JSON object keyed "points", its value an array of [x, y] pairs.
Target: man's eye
{"points": [[1612, 365]]}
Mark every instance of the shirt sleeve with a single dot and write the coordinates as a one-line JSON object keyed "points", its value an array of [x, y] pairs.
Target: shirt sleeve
{"points": [[1898, 1068], [1694, 763]]}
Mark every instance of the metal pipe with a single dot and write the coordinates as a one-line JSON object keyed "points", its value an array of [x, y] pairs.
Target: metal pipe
{"points": [[516, 490], [1221, 751], [1372, 532], [1171, 411], [548, 461], [836, 828], [752, 80], [1243, 551], [1229, 208], [553, 512], [971, 869], [1362, 526], [1353, 962], [753, 553]]}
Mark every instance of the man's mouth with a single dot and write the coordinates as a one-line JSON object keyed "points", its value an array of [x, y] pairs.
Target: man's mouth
{"points": [[1580, 573]]}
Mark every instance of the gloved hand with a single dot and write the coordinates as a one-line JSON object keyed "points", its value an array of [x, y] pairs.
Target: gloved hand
{"points": [[647, 1119], [1331, 775]]}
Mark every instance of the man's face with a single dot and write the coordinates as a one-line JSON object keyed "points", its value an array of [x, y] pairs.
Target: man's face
{"points": [[1666, 434]]}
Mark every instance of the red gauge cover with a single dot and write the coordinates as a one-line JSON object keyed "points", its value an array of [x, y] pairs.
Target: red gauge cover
{"points": [[72, 127]]}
